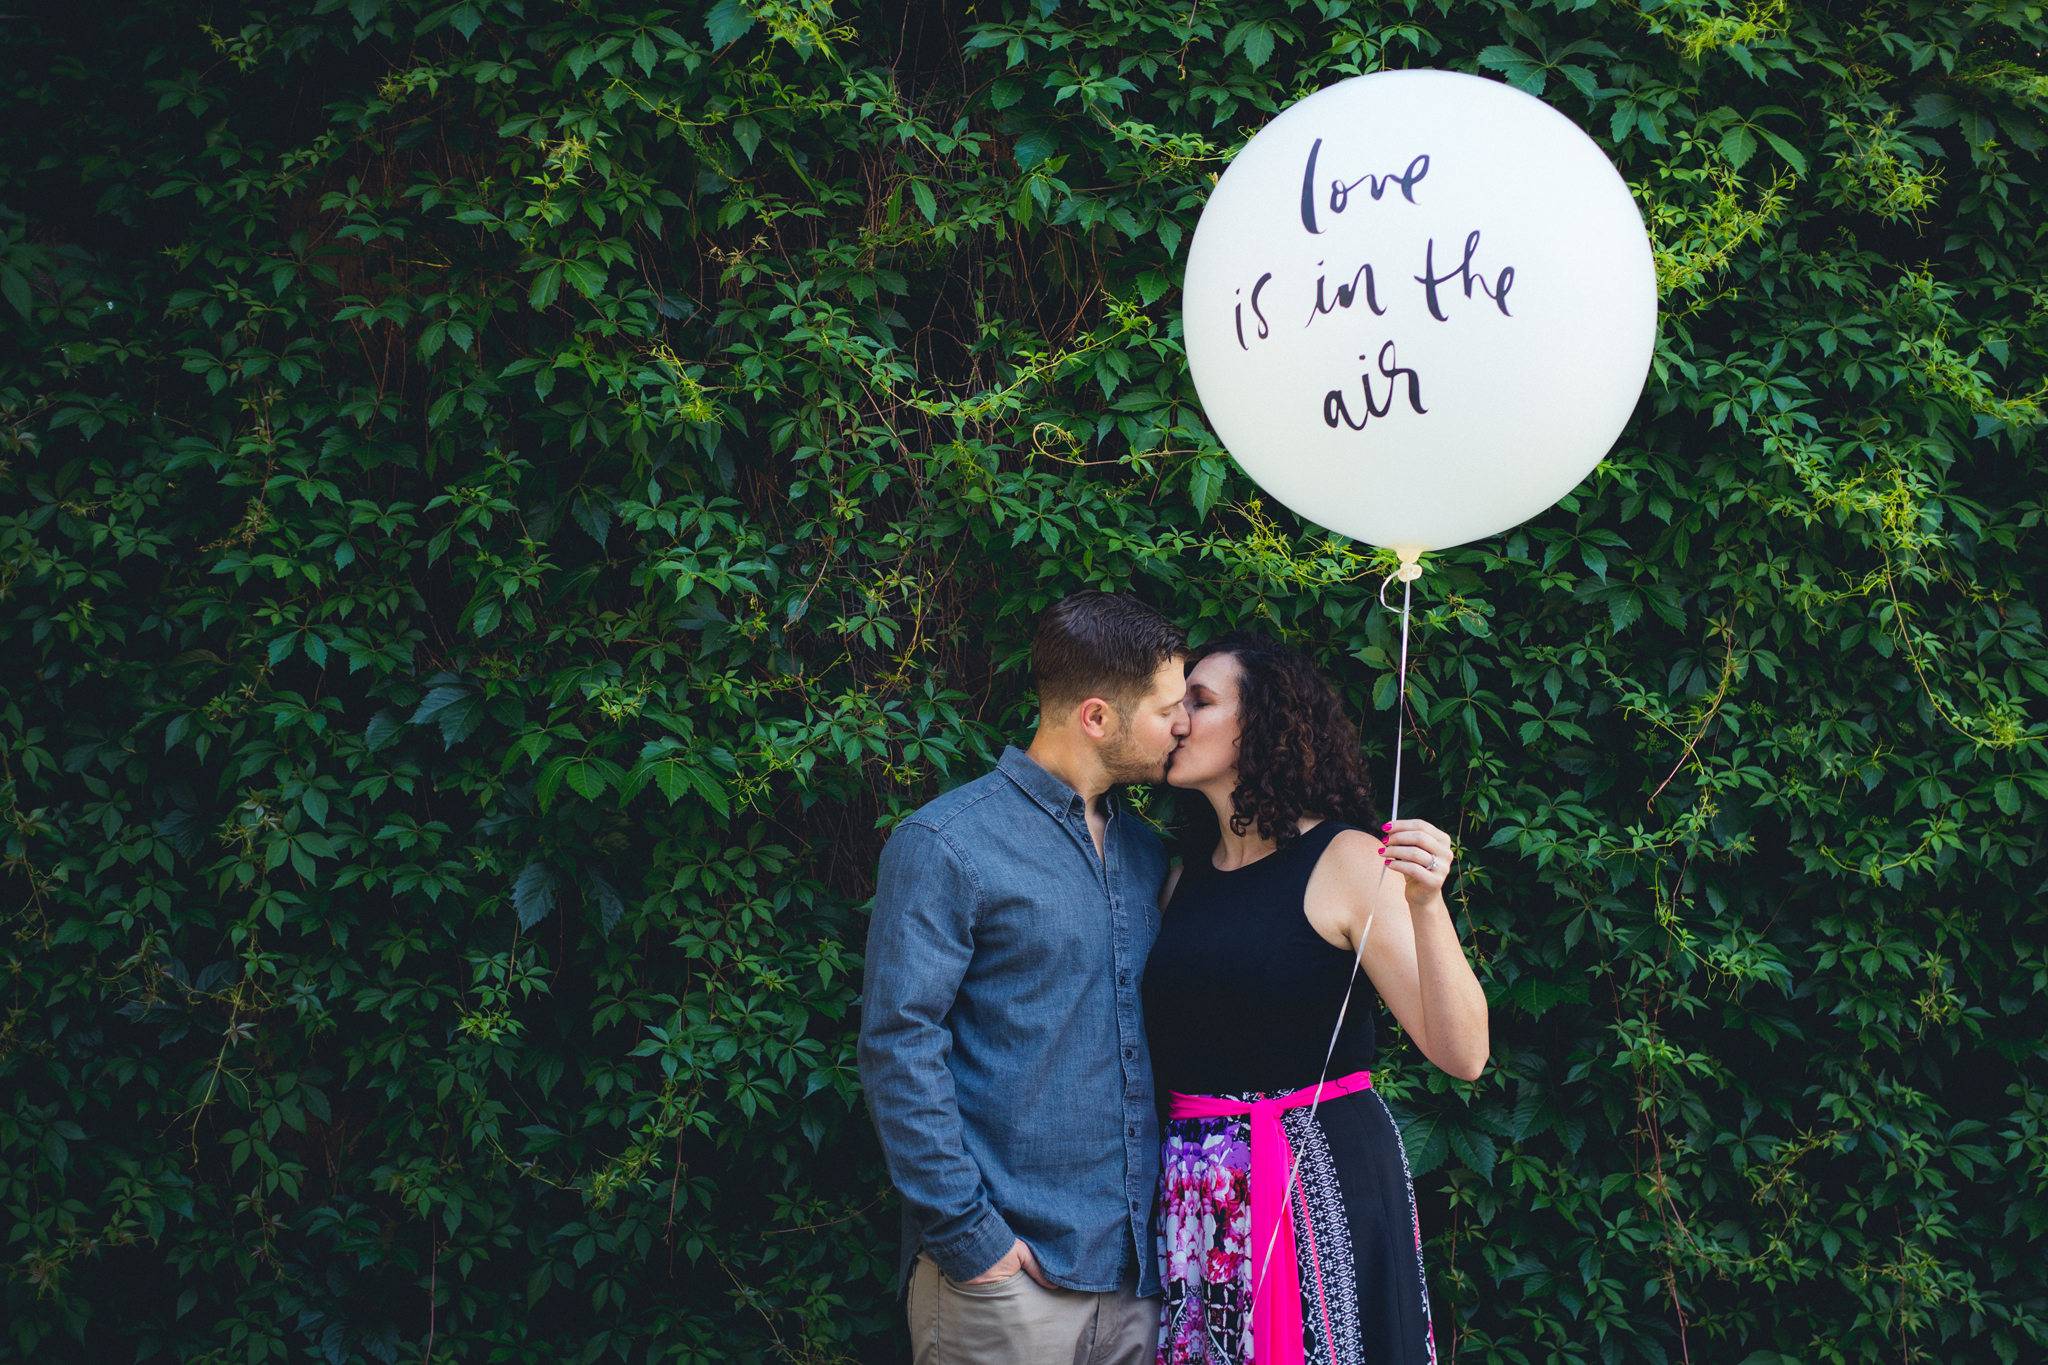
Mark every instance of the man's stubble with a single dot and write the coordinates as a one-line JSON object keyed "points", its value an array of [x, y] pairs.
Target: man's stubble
{"points": [[1126, 763]]}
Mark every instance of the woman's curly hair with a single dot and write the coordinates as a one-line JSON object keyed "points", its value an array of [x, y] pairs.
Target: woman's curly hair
{"points": [[1297, 751]]}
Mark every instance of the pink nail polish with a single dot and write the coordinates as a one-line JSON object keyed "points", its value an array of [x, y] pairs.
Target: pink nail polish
{"points": [[1388, 825]]}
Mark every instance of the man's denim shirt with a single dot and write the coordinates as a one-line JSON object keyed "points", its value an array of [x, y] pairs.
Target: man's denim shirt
{"points": [[1002, 1044]]}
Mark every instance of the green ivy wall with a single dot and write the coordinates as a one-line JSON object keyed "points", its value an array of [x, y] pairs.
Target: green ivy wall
{"points": [[502, 503]]}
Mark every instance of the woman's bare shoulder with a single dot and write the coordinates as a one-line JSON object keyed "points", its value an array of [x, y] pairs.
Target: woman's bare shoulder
{"points": [[1353, 859], [1355, 847]]}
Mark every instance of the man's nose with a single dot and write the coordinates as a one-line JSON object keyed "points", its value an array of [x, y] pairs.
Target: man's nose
{"points": [[1180, 720]]}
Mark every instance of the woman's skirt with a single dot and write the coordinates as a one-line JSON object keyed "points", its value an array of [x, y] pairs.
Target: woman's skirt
{"points": [[1364, 1301]]}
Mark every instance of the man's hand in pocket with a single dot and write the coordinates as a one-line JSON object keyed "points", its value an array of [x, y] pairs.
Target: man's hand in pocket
{"points": [[1017, 1258]]}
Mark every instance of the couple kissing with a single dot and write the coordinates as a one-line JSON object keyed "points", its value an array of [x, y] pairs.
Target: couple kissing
{"points": [[1115, 1094]]}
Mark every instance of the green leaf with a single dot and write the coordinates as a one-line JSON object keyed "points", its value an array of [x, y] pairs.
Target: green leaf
{"points": [[1738, 144], [1426, 1139], [1521, 71], [586, 778], [1033, 149], [747, 133], [533, 893], [711, 789], [1254, 37], [546, 287], [610, 907], [1475, 1149], [1206, 482], [728, 20], [14, 285], [1793, 156]]}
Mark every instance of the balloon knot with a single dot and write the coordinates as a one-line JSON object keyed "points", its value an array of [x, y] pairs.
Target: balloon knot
{"points": [[1409, 572]]}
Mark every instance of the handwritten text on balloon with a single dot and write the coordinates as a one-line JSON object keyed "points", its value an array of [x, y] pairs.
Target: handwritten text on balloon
{"points": [[1363, 286]]}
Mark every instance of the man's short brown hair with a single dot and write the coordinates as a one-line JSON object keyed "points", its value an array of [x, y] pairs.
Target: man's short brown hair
{"points": [[1100, 644]]}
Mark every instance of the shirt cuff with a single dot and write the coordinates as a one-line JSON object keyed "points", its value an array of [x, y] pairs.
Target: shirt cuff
{"points": [[974, 1251]]}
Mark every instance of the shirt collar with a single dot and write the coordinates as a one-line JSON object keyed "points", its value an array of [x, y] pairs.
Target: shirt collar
{"points": [[1058, 799]]}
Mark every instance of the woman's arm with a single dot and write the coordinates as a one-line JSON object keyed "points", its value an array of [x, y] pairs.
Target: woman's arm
{"points": [[1412, 953]]}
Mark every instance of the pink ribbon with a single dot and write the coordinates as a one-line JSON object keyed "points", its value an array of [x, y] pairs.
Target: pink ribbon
{"points": [[1276, 1271]]}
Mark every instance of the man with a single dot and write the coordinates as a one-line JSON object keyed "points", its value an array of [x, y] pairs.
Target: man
{"points": [[1002, 1045]]}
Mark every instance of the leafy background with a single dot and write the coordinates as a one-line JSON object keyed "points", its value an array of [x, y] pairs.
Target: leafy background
{"points": [[505, 503]]}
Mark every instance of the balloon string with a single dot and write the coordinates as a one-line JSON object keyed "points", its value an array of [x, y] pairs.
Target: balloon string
{"points": [[1401, 702], [1358, 959]]}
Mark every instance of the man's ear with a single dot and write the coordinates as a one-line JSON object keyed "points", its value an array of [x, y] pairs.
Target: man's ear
{"points": [[1097, 718]]}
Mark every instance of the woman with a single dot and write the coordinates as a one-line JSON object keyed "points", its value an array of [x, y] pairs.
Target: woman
{"points": [[1288, 1229]]}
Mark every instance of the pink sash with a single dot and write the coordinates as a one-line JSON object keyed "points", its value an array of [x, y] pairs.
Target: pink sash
{"points": [[1276, 1282]]}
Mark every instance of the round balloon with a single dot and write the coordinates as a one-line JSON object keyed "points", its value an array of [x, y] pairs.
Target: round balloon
{"points": [[1419, 308]]}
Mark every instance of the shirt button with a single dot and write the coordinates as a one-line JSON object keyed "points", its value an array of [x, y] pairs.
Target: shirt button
{"points": [[1130, 1052], [1134, 1206], [1134, 1130]]}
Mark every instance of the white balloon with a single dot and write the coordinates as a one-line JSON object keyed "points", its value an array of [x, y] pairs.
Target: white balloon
{"points": [[1397, 411]]}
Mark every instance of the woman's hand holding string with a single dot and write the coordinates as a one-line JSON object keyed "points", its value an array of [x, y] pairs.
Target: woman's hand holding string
{"points": [[1421, 853]]}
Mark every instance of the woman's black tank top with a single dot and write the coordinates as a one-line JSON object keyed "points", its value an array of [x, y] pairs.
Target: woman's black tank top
{"points": [[1241, 992]]}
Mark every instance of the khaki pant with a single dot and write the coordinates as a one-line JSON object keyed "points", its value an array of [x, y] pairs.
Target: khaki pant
{"points": [[1018, 1321]]}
